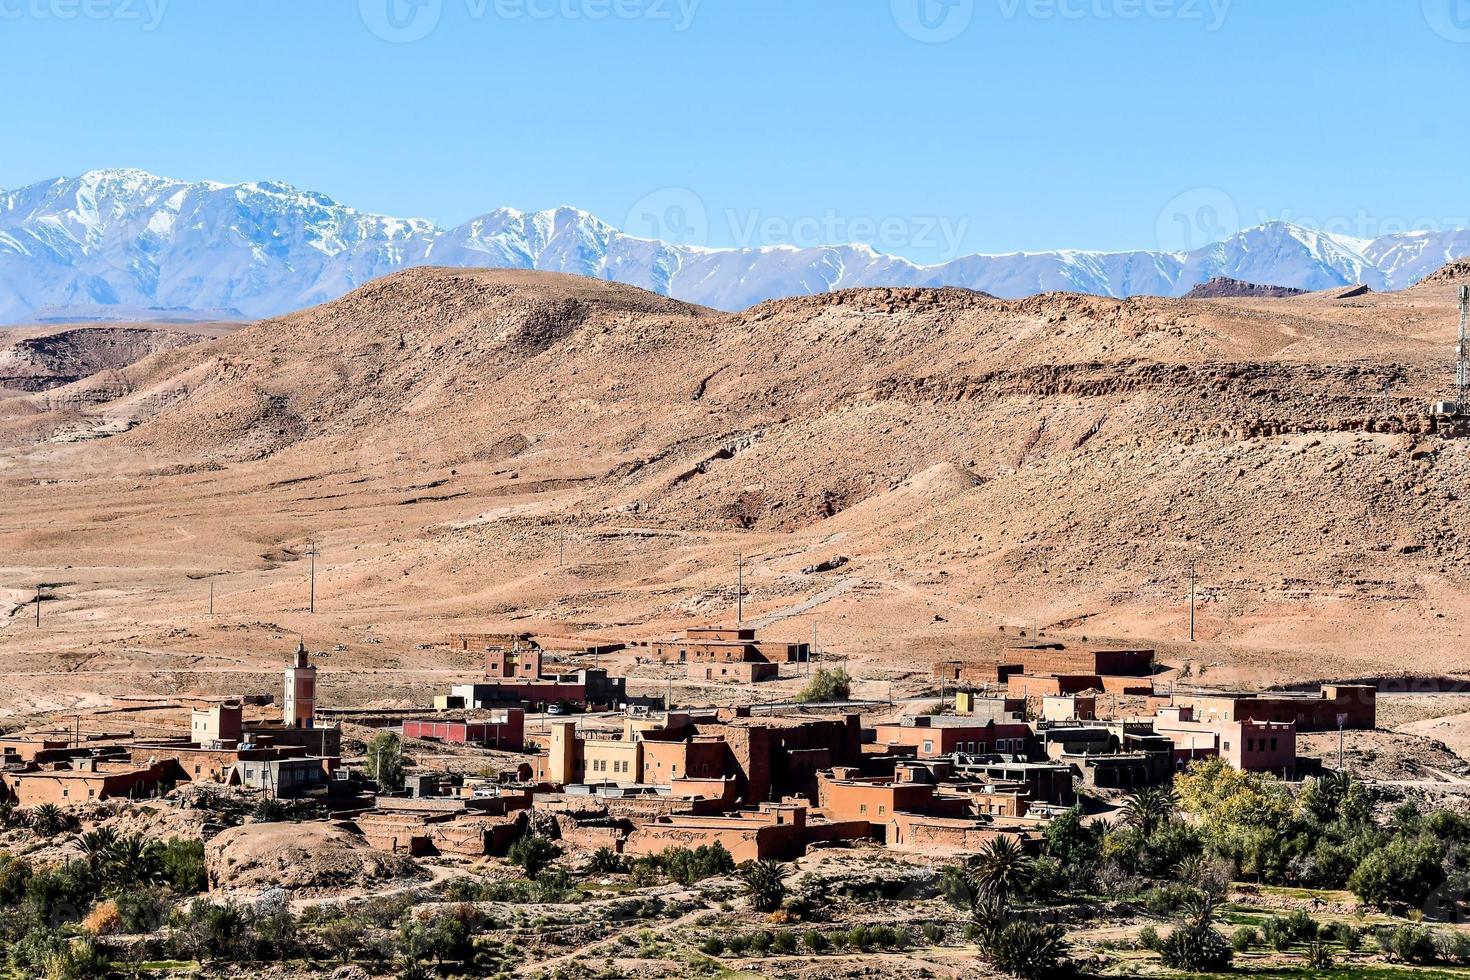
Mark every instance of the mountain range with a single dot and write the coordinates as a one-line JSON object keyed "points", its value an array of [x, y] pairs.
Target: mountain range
{"points": [[126, 244]]}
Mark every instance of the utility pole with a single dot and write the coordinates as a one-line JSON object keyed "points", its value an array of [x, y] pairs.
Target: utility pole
{"points": [[38, 605], [313, 551], [1341, 722], [739, 589], [1191, 601], [211, 596]]}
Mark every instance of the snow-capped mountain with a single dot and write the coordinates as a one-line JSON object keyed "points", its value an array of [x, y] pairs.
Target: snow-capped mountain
{"points": [[126, 240]]}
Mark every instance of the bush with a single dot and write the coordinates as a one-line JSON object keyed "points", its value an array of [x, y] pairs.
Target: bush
{"points": [[760, 943], [103, 920], [181, 863], [1027, 950], [1401, 872], [737, 944], [1196, 949], [712, 946], [606, 861], [534, 854], [815, 941], [1245, 939], [827, 684], [1412, 944], [784, 942], [1455, 948], [883, 937], [1318, 957], [765, 883], [1148, 938], [687, 867], [1347, 937], [857, 938], [933, 933]]}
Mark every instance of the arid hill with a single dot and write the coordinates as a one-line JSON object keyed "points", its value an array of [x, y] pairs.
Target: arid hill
{"points": [[484, 448], [1223, 287]]}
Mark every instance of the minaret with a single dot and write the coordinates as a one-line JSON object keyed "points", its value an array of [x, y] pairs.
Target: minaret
{"points": [[300, 701]]}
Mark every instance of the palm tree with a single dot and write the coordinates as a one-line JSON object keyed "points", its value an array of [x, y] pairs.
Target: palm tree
{"points": [[765, 883], [999, 871], [135, 860], [1148, 809], [47, 819], [97, 846]]}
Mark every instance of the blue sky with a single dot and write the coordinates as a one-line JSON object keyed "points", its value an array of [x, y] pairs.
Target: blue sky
{"points": [[987, 125]]}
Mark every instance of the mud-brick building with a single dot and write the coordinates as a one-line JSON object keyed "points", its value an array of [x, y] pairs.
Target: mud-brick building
{"points": [[936, 736], [1356, 703], [85, 781], [729, 752], [728, 654], [780, 831]]}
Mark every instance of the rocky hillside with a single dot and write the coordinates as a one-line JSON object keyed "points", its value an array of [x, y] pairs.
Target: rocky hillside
{"points": [[1060, 458], [1223, 287]]}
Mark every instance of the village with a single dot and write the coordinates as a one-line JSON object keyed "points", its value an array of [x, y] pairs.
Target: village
{"points": [[1045, 756]]}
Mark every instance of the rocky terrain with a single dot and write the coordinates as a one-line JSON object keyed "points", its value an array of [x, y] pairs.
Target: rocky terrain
{"points": [[489, 449], [39, 359], [1223, 287]]}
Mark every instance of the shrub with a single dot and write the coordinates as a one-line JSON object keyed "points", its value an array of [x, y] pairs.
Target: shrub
{"points": [[1245, 939], [883, 936], [1148, 938], [857, 938], [827, 684], [760, 943], [1347, 937], [815, 941], [738, 944], [784, 942], [1318, 957], [1196, 949], [712, 946], [1027, 950], [1455, 947], [933, 933], [1412, 944], [706, 861], [103, 920], [181, 864], [534, 854], [606, 861], [765, 883]]}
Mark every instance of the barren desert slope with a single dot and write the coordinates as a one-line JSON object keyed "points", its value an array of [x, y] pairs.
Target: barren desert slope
{"points": [[483, 449]]}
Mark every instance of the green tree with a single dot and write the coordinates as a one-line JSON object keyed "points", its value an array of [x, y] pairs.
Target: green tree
{"points": [[998, 872], [384, 763], [533, 853], [1149, 809], [182, 867], [342, 937], [1399, 873]]}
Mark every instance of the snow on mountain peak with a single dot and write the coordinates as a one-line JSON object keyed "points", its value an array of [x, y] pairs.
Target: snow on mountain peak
{"points": [[128, 238]]}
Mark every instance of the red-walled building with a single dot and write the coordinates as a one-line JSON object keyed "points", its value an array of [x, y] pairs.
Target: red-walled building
{"points": [[504, 729]]}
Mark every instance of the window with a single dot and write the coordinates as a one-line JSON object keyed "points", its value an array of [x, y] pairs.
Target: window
{"points": [[862, 808], [196, 770], [928, 746], [1250, 745], [1227, 746], [882, 809], [1273, 745]]}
